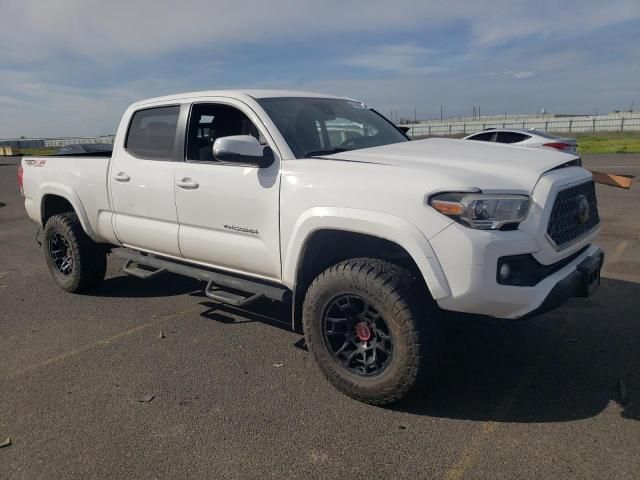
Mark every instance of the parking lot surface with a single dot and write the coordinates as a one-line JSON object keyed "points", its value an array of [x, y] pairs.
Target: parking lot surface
{"points": [[148, 379]]}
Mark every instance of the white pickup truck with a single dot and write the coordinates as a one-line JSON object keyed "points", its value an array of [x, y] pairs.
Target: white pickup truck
{"points": [[322, 202]]}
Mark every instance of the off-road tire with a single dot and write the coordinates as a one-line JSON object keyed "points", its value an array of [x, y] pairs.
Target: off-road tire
{"points": [[89, 258], [408, 310]]}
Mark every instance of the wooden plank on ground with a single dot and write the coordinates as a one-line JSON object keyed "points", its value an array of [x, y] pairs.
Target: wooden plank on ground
{"points": [[612, 179]]}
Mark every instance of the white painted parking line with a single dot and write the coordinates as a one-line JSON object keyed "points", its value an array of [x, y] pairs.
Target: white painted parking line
{"points": [[617, 253]]}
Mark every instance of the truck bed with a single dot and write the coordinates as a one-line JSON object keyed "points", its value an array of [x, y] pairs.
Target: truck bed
{"points": [[82, 179]]}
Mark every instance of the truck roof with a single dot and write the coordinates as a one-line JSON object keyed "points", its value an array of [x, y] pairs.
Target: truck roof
{"points": [[254, 93]]}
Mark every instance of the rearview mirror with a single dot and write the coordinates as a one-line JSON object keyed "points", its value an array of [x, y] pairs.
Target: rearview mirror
{"points": [[242, 149]]}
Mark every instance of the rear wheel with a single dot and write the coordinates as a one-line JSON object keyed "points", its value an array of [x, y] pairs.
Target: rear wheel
{"points": [[371, 329], [75, 262]]}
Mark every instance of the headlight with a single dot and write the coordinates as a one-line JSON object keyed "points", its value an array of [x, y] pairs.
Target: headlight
{"points": [[486, 212]]}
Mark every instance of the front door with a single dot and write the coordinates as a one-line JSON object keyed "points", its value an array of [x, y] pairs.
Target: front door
{"points": [[141, 178], [228, 213]]}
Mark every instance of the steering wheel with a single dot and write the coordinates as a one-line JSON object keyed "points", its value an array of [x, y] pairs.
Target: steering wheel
{"points": [[350, 142]]}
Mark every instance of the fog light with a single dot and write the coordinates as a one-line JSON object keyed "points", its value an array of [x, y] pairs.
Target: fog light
{"points": [[505, 271]]}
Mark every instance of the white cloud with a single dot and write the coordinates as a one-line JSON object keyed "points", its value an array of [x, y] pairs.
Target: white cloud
{"points": [[523, 75], [119, 29], [502, 22], [44, 43], [561, 59], [459, 92], [405, 59], [35, 107]]}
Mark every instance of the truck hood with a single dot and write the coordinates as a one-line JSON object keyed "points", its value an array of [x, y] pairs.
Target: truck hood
{"points": [[466, 163]]}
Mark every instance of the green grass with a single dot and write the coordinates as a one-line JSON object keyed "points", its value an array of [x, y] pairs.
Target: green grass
{"points": [[37, 152], [609, 142]]}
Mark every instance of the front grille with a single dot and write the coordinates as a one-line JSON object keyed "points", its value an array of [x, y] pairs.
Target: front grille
{"points": [[566, 224]]}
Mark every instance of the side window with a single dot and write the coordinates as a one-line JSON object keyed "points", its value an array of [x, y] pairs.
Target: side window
{"points": [[511, 137], [209, 121], [483, 137], [152, 133]]}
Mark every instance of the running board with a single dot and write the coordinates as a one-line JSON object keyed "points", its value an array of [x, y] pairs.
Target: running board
{"points": [[216, 293], [137, 270], [221, 287]]}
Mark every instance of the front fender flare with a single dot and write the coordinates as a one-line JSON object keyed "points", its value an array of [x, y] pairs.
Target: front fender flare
{"points": [[376, 224]]}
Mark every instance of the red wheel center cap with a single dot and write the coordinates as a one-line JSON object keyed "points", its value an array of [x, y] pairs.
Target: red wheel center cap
{"points": [[363, 331]]}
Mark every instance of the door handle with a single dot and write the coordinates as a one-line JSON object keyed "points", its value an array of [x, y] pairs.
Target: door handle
{"points": [[187, 184], [122, 177]]}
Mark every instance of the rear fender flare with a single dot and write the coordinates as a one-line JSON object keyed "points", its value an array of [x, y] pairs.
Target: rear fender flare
{"points": [[66, 192]]}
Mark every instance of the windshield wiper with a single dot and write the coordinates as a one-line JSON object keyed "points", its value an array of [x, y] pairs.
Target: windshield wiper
{"points": [[319, 153]]}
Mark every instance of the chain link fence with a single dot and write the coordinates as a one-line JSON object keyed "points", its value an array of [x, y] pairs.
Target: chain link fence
{"points": [[60, 142], [563, 125], [55, 142]]}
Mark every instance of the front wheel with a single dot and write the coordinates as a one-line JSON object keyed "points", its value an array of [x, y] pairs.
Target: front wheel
{"points": [[75, 262], [370, 330]]}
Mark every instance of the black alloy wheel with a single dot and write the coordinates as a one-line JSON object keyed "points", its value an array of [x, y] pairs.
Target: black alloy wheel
{"points": [[61, 254], [357, 335], [372, 329], [76, 262]]}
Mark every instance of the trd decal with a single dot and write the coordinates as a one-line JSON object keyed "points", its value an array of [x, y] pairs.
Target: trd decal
{"points": [[32, 162]]}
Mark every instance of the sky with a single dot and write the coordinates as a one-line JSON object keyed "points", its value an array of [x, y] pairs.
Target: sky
{"points": [[71, 67]]}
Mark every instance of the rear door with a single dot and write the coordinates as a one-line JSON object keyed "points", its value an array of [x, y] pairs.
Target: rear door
{"points": [[228, 212], [141, 180]]}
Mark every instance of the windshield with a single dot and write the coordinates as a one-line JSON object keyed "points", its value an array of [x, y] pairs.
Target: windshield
{"points": [[322, 126]]}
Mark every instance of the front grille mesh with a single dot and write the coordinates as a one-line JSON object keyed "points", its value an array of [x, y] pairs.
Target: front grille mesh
{"points": [[564, 226]]}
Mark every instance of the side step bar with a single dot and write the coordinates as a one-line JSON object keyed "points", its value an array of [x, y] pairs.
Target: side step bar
{"points": [[137, 270], [214, 292], [221, 287]]}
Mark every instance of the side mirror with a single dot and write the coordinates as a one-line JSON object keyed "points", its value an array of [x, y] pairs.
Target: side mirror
{"points": [[404, 129], [242, 149]]}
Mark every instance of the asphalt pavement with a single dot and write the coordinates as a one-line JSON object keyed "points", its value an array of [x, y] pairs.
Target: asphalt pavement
{"points": [[148, 379]]}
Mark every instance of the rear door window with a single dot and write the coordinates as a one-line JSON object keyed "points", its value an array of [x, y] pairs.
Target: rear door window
{"points": [[483, 137], [152, 133], [511, 137]]}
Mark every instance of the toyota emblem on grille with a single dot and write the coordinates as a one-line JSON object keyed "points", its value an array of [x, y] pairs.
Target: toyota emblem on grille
{"points": [[583, 209]]}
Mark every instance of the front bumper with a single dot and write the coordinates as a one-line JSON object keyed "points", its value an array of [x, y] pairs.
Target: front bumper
{"points": [[576, 284], [469, 259]]}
